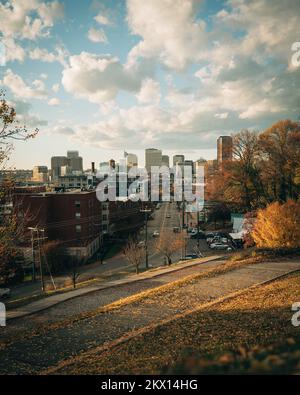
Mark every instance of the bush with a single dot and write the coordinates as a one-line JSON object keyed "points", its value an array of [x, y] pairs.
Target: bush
{"points": [[278, 226]]}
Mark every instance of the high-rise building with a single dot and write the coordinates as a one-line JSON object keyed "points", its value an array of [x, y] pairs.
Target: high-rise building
{"points": [[224, 145], [165, 160], [153, 157], [57, 162], [75, 161], [131, 159], [178, 159], [71, 164]]}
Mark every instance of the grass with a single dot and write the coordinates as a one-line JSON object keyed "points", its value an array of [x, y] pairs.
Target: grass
{"points": [[249, 333]]}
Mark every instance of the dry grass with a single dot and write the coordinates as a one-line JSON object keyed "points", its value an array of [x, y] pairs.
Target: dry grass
{"points": [[259, 317]]}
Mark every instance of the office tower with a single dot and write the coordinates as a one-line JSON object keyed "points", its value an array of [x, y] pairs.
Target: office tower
{"points": [[153, 157], [131, 159], [224, 145], [178, 159], [75, 161], [56, 163], [165, 160]]}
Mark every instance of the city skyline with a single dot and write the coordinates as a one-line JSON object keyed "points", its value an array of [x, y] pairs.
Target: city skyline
{"points": [[106, 76]]}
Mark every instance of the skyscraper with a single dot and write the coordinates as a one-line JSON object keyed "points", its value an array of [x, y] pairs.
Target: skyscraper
{"points": [[153, 157], [224, 145], [75, 161], [57, 162], [131, 159], [165, 160], [178, 159]]}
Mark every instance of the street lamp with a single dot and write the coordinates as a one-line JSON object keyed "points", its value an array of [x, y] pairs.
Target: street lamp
{"points": [[146, 211]]}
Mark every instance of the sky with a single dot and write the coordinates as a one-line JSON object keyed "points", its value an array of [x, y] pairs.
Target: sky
{"points": [[107, 76]]}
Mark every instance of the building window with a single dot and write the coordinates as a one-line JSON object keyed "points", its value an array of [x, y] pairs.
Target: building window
{"points": [[78, 228], [104, 217], [77, 203], [77, 215]]}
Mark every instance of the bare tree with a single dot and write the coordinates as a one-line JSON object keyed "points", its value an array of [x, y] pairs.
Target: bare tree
{"points": [[74, 273], [169, 243], [134, 254], [10, 126]]}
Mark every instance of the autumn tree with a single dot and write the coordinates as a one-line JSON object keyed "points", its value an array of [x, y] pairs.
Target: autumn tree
{"points": [[134, 254], [168, 244], [280, 145], [278, 226], [238, 182], [10, 224]]}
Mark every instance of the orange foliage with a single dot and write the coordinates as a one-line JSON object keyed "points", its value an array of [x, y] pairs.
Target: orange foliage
{"points": [[278, 226]]}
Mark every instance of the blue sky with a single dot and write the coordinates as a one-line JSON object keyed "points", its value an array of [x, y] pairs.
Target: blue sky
{"points": [[107, 76]]}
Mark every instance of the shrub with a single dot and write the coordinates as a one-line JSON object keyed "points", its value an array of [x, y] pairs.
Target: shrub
{"points": [[278, 226]]}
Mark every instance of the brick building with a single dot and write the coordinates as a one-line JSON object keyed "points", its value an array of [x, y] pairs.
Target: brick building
{"points": [[73, 218]]}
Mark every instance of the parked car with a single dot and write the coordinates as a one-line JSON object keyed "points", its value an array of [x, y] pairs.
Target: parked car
{"points": [[155, 233], [176, 229], [198, 235], [141, 243], [4, 293], [168, 216], [210, 237], [220, 246]]}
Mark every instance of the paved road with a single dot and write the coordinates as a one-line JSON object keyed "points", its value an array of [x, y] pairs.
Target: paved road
{"points": [[118, 262], [48, 348]]}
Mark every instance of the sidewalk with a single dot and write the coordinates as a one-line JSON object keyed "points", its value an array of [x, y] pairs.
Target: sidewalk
{"points": [[50, 301]]}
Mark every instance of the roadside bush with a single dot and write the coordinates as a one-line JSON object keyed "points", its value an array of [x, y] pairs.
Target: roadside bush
{"points": [[278, 226]]}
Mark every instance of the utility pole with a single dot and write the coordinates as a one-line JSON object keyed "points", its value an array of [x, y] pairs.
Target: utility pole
{"points": [[38, 239], [146, 211], [32, 255], [183, 213], [198, 229]]}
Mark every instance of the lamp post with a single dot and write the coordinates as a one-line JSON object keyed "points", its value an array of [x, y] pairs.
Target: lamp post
{"points": [[146, 211]]}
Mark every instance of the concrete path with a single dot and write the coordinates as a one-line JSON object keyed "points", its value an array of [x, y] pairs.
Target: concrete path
{"points": [[50, 301], [46, 348]]}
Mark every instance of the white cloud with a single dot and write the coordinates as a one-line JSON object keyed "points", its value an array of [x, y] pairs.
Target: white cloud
{"points": [[98, 78], [55, 88], [13, 51], [222, 115], [168, 29], [44, 55], [19, 88], [103, 20], [97, 35], [28, 19], [149, 92], [54, 101]]}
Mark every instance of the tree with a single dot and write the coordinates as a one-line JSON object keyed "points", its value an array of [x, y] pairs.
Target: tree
{"points": [[238, 182], [74, 264], [55, 255], [169, 243], [134, 254], [278, 226], [220, 212], [10, 127], [11, 226], [281, 148]]}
